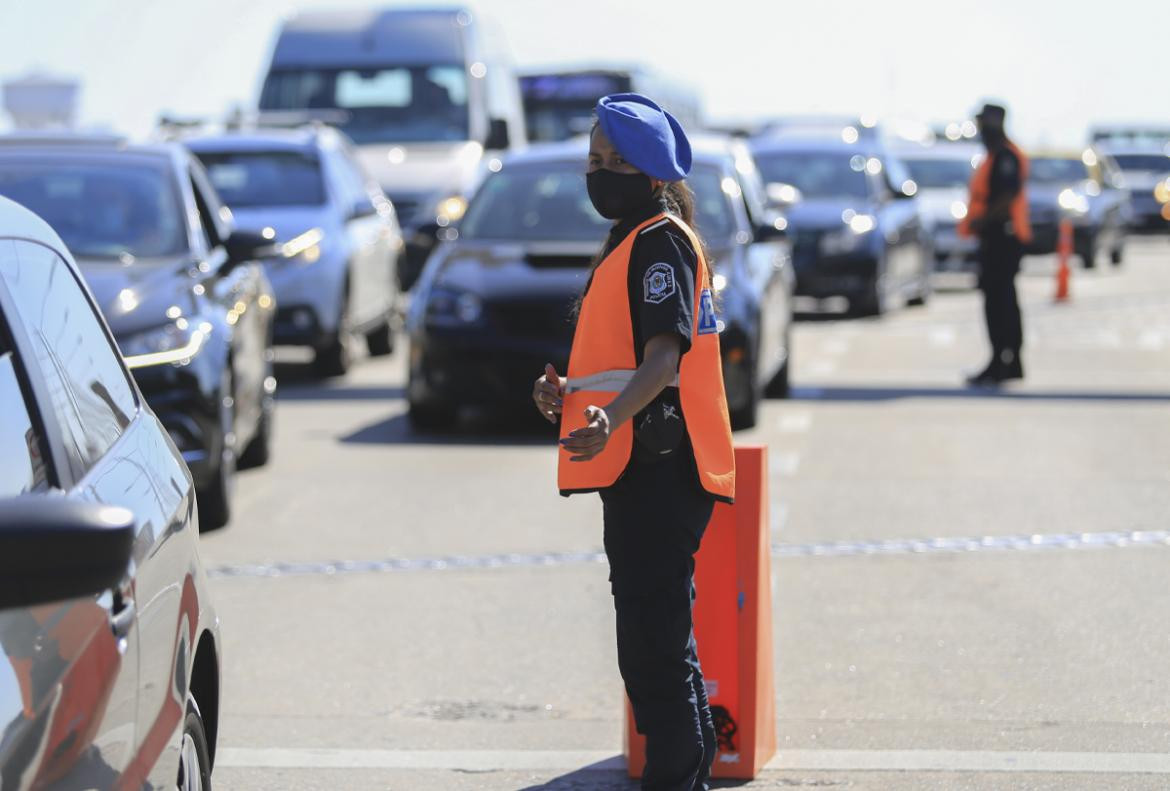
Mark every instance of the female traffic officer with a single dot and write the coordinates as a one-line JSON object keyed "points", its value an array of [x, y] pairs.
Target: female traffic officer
{"points": [[644, 422]]}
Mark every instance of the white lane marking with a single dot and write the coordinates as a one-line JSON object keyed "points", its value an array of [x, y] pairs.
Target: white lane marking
{"points": [[822, 367], [787, 760], [783, 462], [459, 760], [942, 336], [971, 761], [795, 422]]}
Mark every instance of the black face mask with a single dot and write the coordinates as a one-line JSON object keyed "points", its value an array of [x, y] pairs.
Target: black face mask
{"points": [[617, 195]]}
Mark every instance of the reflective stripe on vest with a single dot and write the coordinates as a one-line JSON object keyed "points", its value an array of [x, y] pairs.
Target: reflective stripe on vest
{"points": [[603, 361], [980, 192]]}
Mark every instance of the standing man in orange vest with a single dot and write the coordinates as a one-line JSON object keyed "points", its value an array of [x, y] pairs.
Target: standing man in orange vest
{"points": [[997, 214], [644, 422]]}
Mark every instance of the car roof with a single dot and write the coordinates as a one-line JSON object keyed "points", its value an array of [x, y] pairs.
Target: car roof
{"points": [[957, 151], [17, 222], [258, 139], [97, 145], [1057, 153], [1131, 147], [774, 144]]}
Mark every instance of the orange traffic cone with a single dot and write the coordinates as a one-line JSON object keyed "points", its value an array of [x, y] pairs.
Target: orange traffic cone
{"points": [[1064, 245]]}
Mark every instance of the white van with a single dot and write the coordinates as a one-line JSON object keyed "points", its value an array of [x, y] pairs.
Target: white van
{"points": [[426, 95]]}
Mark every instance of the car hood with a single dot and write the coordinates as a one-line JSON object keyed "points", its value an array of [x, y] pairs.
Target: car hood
{"points": [[1143, 179], [936, 203], [823, 214], [285, 221], [1048, 194], [137, 296], [423, 169], [496, 270]]}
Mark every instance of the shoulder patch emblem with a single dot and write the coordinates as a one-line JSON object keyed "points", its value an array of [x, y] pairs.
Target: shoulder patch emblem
{"points": [[658, 284], [708, 323]]}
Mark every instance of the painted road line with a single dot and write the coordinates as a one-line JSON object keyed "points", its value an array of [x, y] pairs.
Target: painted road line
{"points": [[794, 422], [787, 760], [821, 367], [945, 545]]}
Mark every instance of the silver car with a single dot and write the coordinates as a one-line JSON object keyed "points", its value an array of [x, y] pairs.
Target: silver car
{"points": [[337, 236]]}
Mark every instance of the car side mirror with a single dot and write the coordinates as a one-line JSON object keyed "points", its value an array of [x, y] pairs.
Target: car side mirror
{"points": [[54, 549], [774, 227], [244, 246], [498, 138]]}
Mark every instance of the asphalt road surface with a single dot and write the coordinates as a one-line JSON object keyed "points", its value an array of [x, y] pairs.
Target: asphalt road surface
{"points": [[969, 587]]}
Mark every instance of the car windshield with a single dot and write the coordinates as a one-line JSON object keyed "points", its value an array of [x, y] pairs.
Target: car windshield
{"points": [[100, 210], [939, 173], [560, 106], [548, 202], [1054, 170], [1158, 163], [817, 174], [265, 178], [394, 104]]}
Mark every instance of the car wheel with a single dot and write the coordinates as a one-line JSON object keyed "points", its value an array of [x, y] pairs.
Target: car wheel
{"points": [[744, 400], [431, 416], [1087, 252], [780, 385], [214, 499], [260, 448], [873, 303], [194, 754], [380, 340], [334, 358], [1117, 255]]}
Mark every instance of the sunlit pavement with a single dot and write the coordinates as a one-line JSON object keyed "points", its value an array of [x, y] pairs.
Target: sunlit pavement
{"points": [[969, 585]]}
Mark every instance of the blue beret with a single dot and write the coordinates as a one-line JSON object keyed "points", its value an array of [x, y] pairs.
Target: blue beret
{"points": [[648, 137]]}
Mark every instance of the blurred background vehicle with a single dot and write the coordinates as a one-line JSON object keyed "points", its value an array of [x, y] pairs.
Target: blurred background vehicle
{"points": [[844, 127], [943, 173], [1132, 134], [335, 276], [427, 96], [105, 615], [190, 308], [852, 219], [1143, 166], [496, 304], [559, 103], [1087, 189]]}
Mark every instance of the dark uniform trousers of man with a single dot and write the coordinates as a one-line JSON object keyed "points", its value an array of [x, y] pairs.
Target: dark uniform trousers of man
{"points": [[1000, 251], [655, 517]]}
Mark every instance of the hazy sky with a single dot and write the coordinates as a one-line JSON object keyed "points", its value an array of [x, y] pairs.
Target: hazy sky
{"points": [[1058, 65]]}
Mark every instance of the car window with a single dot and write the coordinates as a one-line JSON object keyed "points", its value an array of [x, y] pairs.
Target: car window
{"points": [[213, 215], [265, 178], [91, 394], [22, 448], [818, 174], [351, 183], [714, 189]]}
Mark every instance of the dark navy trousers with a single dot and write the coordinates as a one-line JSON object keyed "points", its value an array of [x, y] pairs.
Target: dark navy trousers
{"points": [[655, 517]]}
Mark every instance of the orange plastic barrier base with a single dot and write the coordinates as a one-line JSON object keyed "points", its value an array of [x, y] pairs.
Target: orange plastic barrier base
{"points": [[1064, 248], [733, 627]]}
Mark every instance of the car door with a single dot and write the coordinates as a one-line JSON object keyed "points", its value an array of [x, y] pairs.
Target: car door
{"points": [[768, 264], [239, 291], [368, 241], [69, 685], [898, 220]]}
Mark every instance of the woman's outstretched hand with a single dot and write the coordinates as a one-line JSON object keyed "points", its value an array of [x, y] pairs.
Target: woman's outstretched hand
{"points": [[585, 443], [549, 393]]}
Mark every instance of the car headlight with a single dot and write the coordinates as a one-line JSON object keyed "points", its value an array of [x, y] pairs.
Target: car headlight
{"points": [[958, 210], [1162, 191], [448, 306], [450, 210], [1073, 202], [174, 343], [304, 247], [847, 239]]}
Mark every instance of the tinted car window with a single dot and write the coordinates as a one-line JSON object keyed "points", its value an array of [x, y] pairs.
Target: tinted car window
{"points": [[265, 178], [395, 104], [549, 202], [22, 458], [817, 174], [90, 390], [1056, 170], [940, 173], [100, 210], [1159, 163]]}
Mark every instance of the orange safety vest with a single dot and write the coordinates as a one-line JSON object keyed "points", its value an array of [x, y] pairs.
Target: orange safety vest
{"points": [[603, 361], [980, 189]]}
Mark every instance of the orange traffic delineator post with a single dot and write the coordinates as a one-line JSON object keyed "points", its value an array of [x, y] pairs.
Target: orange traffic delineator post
{"points": [[1064, 248], [733, 627]]}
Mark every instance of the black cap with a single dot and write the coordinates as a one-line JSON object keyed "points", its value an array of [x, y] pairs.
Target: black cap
{"points": [[990, 111]]}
